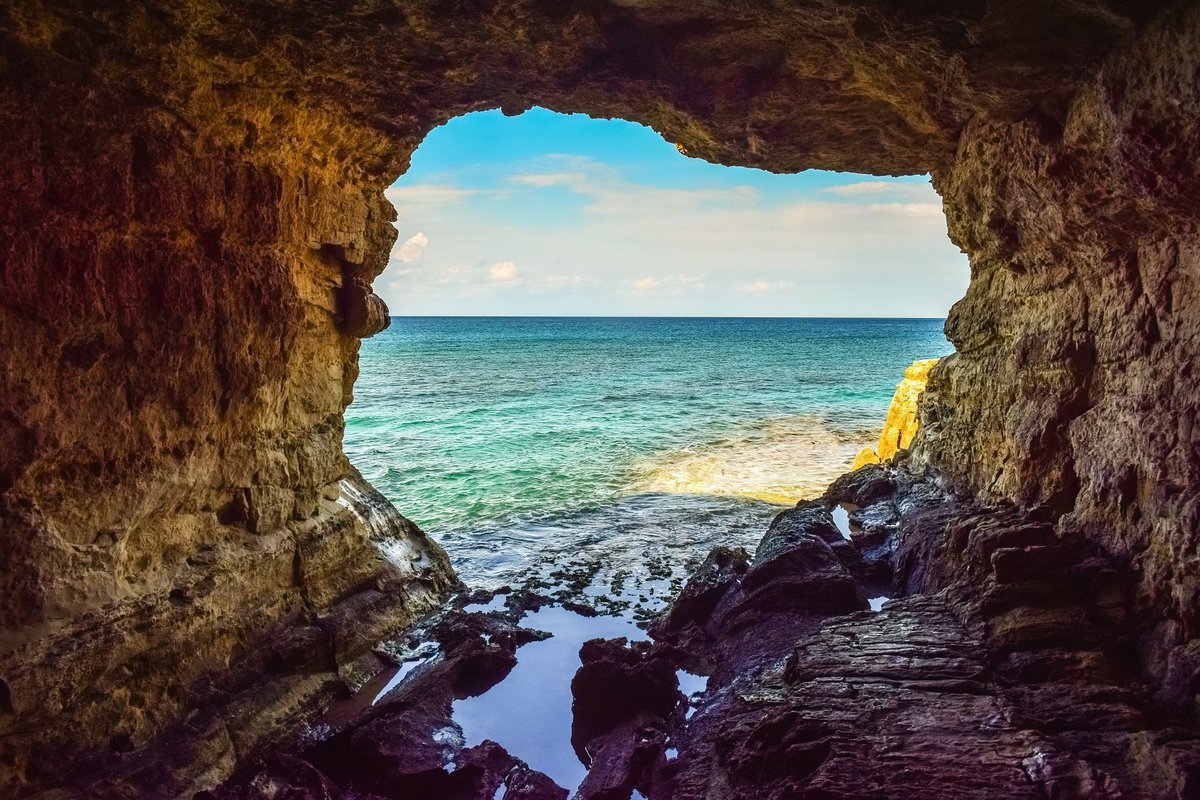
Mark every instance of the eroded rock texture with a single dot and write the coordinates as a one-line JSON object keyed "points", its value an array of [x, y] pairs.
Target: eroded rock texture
{"points": [[1000, 669], [194, 213], [1080, 330]]}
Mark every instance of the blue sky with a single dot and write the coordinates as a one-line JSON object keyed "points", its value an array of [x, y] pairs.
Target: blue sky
{"points": [[553, 214]]}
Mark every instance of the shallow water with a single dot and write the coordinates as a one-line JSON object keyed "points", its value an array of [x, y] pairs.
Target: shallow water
{"points": [[529, 712], [521, 443]]}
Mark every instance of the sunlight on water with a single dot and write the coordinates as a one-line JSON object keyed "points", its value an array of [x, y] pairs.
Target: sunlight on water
{"points": [[781, 461]]}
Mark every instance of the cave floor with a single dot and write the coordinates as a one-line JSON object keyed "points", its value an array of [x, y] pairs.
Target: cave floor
{"points": [[785, 675]]}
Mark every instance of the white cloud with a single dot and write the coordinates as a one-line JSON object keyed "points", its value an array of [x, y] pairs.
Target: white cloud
{"points": [[428, 194], [760, 286], [544, 179], [412, 248], [897, 189], [503, 272], [907, 209], [648, 284], [862, 187], [611, 195]]}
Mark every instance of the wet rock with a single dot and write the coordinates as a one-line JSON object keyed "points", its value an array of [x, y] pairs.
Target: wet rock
{"points": [[410, 748], [1002, 681], [622, 758], [687, 618], [796, 569], [282, 778], [862, 487], [619, 681], [526, 784]]}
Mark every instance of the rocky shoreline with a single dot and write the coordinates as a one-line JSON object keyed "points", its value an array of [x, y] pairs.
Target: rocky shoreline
{"points": [[994, 671]]}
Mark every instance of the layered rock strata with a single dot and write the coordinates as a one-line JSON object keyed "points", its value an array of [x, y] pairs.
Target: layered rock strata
{"points": [[999, 669], [195, 214]]}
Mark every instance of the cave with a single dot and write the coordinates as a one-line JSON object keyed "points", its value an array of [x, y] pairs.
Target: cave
{"points": [[195, 214]]}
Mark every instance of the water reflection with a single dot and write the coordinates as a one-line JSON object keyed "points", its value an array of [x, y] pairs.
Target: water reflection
{"points": [[529, 712]]}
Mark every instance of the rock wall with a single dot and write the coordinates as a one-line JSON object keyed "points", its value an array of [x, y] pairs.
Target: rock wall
{"points": [[194, 213], [1072, 386], [177, 324]]}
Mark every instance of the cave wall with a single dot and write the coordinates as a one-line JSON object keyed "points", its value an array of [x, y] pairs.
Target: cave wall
{"points": [[1073, 387], [180, 300], [194, 212]]}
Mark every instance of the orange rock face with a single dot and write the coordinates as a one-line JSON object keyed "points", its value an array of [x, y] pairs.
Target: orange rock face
{"points": [[900, 427]]}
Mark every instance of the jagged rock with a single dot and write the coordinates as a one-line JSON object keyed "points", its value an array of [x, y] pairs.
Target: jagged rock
{"points": [[687, 618], [621, 759], [1001, 681], [619, 681]]}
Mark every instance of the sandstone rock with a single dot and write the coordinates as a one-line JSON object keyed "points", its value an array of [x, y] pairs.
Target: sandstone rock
{"points": [[901, 425], [865, 456]]}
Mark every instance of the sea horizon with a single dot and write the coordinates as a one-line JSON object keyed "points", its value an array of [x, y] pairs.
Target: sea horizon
{"points": [[509, 437]]}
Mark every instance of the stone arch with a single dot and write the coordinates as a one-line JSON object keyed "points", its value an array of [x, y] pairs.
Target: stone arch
{"points": [[195, 213]]}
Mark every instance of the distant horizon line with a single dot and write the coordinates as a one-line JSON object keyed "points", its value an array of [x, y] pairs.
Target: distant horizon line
{"points": [[642, 316]]}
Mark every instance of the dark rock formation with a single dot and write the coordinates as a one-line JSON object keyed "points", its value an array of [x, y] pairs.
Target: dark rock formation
{"points": [[1000, 671], [404, 743], [194, 213]]}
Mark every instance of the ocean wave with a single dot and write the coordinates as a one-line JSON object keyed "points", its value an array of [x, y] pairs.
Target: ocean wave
{"points": [[779, 461]]}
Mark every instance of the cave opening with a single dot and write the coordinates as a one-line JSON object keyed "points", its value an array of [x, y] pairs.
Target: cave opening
{"points": [[192, 567], [591, 316], [606, 359]]}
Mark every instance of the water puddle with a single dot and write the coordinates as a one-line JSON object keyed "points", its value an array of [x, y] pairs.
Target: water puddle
{"points": [[404, 670], [529, 712], [841, 518], [693, 688]]}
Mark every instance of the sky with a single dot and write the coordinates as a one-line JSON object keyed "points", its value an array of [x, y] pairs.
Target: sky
{"points": [[555, 214]]}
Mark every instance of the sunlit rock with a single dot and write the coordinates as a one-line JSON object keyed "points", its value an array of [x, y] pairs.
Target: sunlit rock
{"points": [[900, 427]]}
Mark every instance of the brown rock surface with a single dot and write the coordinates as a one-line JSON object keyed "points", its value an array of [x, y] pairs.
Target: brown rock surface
{"points": [[194, 213]]}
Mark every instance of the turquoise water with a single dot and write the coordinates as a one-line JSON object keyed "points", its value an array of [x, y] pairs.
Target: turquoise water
{"points": [[527, 444]]}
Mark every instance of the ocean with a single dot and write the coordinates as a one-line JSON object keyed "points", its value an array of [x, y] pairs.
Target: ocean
{"points": [[608, 455]]}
